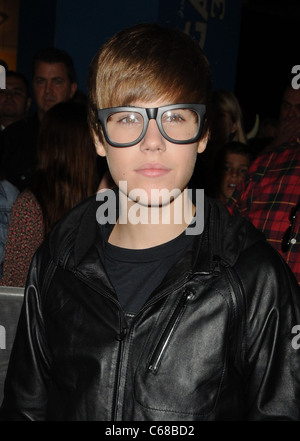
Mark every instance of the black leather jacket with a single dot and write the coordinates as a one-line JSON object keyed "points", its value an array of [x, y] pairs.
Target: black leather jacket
{"points": [[213, 342]]}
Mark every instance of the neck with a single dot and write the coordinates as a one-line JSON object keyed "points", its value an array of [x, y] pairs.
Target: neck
{"points": [[140, 227]]}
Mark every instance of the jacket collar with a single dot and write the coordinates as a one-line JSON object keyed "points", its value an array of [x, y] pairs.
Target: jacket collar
{"points": [[223, 238]]}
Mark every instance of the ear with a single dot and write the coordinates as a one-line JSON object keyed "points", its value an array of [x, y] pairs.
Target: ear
{"points": [[28, 104], [73, 89], [100, 149], [203, 142]]}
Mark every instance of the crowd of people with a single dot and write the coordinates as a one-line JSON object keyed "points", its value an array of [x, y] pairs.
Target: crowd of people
{"points": [[65, 175], [45, 156], [149, 320]]}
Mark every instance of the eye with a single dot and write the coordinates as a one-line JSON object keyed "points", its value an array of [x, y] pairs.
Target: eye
{"points": [[170, 117], [285, 105], [58, 81], [18, 92], [227, 169], [129, 119], [39, 80]]}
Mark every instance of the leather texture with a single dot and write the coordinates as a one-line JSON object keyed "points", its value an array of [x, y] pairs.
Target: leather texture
{"points": [[213, 342]]}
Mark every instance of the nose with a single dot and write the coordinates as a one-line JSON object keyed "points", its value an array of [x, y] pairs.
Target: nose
{"points": [[48, 87], [153, 139]]}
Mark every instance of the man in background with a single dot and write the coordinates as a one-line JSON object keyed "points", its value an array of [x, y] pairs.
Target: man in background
{"points": [[288, 129], [14, 99], [53, 81]]}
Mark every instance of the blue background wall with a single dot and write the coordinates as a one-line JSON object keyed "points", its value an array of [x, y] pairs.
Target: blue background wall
{"points": [[81, 26], [37, 26]]}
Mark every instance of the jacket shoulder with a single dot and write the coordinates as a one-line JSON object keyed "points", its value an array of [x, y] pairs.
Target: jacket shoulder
{"points": [[79, 223], [232, 233]]}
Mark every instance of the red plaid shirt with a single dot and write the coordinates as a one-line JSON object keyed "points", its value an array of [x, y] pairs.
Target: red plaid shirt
{"points": [[267, 195]]}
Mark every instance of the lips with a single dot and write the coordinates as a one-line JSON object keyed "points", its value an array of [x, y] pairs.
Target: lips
{"points": [[152, 170]]}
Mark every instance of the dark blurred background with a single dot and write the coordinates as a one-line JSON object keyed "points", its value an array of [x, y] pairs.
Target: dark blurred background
{"points": [[268, 49], [252, 45]]}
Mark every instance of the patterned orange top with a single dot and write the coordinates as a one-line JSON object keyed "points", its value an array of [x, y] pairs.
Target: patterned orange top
{"points": [[25, 234]]}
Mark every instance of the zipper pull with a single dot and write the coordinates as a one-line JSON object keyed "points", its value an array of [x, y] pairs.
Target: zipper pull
{"points": [[121, 335], [169, 330], [123, 329]]}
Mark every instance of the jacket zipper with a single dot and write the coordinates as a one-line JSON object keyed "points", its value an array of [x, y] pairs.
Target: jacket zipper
{"points": [[120, 337], [162, 345], [168, 332]]}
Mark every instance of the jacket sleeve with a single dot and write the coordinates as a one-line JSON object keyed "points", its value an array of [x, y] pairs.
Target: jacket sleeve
{"points": [[270, 344], [25, 389]]}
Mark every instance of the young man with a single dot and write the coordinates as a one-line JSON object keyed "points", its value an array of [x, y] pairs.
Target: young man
{"points": [[149, 317]]}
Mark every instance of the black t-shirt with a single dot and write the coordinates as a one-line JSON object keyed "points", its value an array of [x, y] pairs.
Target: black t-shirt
{"points": [[136, 273]]}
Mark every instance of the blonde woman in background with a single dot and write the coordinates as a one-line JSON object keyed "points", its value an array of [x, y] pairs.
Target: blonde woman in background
{"points": [[226, 120]]}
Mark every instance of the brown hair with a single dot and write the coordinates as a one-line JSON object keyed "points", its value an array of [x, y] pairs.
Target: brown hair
{"points": [[66, 171], [146, 62]]}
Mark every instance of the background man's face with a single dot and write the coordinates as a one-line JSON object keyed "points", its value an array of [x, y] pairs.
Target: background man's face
{"points": [[51, 85], [290, 107], [14, 101]]}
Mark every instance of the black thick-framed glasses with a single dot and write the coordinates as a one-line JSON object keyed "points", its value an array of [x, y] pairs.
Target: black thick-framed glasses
{"points": [[178, 123], [288, 238]]}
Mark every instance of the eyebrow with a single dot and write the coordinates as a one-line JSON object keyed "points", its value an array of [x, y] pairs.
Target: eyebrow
{"points": [[14, 87], [289, 103], [52, 78], [240, 165]]}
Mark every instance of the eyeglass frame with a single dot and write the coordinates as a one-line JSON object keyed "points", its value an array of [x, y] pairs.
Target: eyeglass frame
{"points": [[287, 237], [152, 113]]}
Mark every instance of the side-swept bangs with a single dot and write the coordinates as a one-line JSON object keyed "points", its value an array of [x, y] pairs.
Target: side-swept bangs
{"points": [[145, 63]]}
